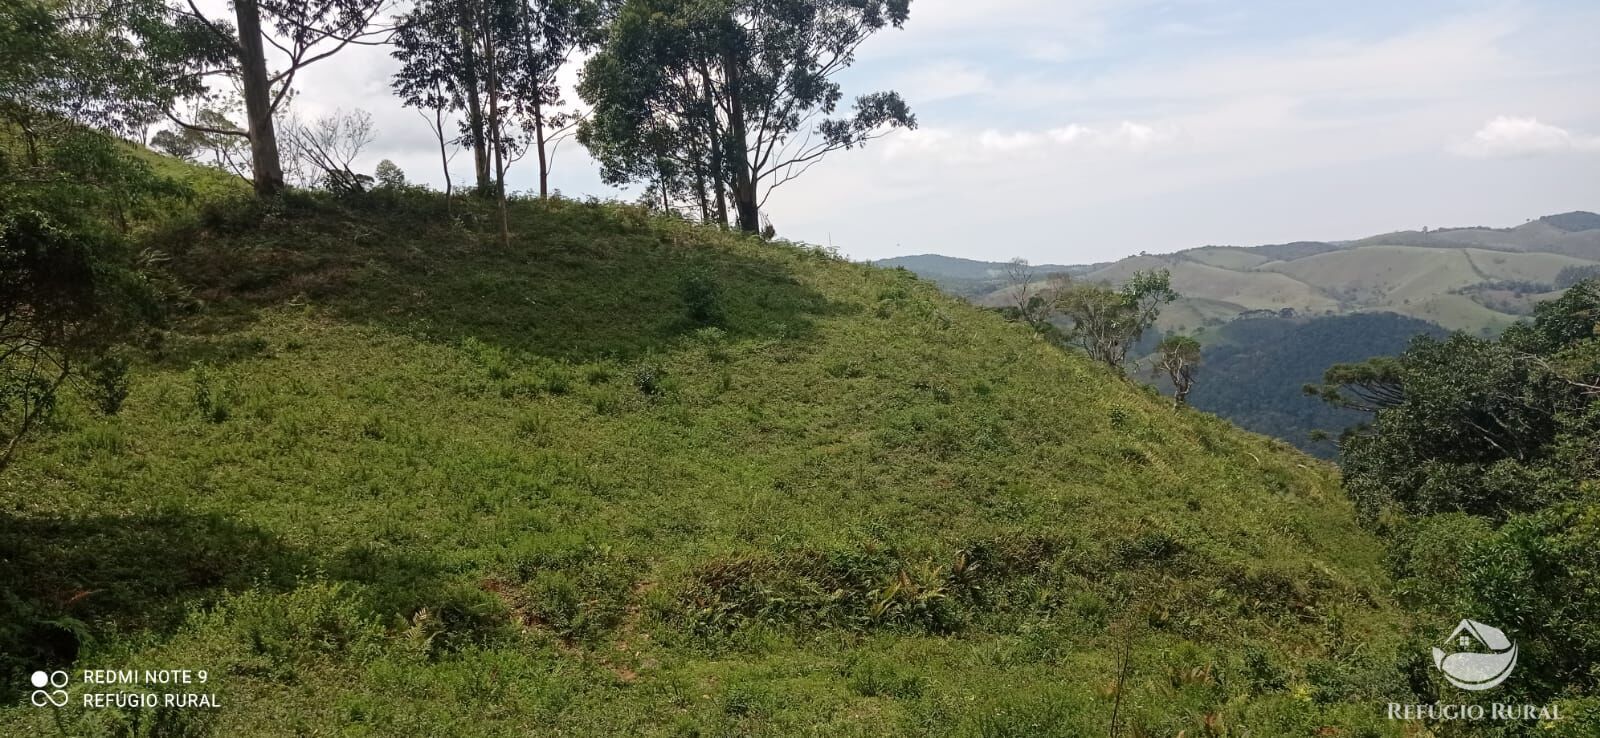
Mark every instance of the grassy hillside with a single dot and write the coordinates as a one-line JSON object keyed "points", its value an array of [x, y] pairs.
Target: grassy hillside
{"points": [[1252, 290], [1575, 234], [1424, 283], [389, 477], [1227, 257], [968, 277]]}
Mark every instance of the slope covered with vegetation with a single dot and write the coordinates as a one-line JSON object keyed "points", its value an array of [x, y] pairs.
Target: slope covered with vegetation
{"points": [[383, 475]]}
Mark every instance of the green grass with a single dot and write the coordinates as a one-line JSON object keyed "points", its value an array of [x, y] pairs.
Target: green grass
{"points": [[389, 477]]}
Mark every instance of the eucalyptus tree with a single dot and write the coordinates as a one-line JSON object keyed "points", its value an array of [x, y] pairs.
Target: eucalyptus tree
{"points": [[302, 32], [456, 55], [550, 31], [438, 50], [1106, 323], [737, 95]]}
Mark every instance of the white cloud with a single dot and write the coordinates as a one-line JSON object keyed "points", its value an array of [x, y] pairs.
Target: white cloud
{"points": [[948, 145], [1507, 136], [1004, 142], [943, 80], [1051, 51]]}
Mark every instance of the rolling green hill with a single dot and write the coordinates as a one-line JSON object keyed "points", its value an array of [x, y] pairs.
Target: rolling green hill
{"points": [[1574, 234], [1477, 280], [628, 475], [1258, 289]]}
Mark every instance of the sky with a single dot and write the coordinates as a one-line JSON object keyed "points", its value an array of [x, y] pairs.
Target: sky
{"points": [[1077, 132]]}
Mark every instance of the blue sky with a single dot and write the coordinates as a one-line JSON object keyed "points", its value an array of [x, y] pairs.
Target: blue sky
{"points": [[1086, 131]]}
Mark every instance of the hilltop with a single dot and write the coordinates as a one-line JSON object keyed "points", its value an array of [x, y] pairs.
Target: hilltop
{"points": [[630, 475]]}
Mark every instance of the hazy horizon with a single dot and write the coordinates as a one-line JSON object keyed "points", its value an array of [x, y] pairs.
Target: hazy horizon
{"points": [[1039, 262]]}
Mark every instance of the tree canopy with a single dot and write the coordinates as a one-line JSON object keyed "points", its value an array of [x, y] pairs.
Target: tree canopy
{"points": [[729, 99], [1107, 322], [1482, 466]]}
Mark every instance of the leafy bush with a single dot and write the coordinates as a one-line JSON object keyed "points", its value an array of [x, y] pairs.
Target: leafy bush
{"points": [[702, 297], [107, 383], [67, 294], [214, 393]]}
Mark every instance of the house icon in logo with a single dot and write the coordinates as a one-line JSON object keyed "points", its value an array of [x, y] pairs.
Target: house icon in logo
{"points": [[1482, 656]]}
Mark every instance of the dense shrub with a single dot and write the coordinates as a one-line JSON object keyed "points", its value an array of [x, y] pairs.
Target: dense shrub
{"points": [[702, 297]]}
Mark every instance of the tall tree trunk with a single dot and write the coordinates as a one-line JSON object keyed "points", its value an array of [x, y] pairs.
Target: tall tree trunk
{"points": [[538, 142], [700, 191], [444, 163], [475, 117], [536, 73], [716, 146], [491, 58], [744, 185], [265, 166], [661, 174]]}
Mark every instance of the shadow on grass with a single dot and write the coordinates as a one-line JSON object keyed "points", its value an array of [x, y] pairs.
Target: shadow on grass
{"points": [[65, 580], [580, 281]]}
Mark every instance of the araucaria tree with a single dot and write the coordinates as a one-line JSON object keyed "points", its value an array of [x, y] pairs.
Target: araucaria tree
{"points": [[729, 99], [1481, 469]]}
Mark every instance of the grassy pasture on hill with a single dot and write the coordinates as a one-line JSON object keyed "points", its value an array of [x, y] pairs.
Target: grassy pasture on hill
{"points": [[388, 477], [1252, 290]]}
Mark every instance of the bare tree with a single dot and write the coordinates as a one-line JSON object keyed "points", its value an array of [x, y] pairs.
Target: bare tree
{"points": [[548, 133], [1033, 300], [330, 146], [437, 124], [1178, 357]]}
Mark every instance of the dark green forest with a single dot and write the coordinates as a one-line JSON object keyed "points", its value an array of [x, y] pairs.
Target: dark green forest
{"points": [[1254, 368]]}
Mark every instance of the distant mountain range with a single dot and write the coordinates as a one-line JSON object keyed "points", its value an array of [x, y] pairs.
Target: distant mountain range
{"points": [[1473, 279], [1271, 317]]}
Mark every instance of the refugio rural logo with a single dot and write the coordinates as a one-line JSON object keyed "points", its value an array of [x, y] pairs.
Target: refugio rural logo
{"points": [[1475, 657], [1486, 657]]}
